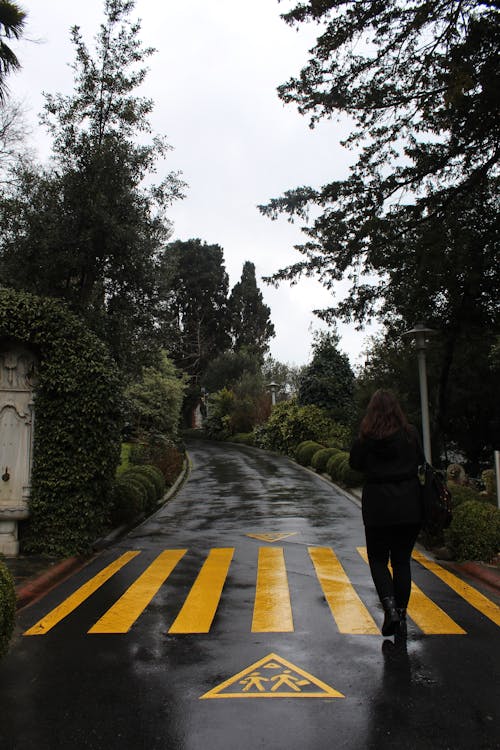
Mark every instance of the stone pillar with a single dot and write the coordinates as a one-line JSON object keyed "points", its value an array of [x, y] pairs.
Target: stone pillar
{"points": [[17, 373]]}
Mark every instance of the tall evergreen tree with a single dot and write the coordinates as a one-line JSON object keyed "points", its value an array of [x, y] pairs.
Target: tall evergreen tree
{"points": [[87, 229], [328, 380], [251, 326], [194, 292]]}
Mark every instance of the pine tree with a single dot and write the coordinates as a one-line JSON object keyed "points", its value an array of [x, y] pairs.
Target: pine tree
{"points": [[251, 326]]}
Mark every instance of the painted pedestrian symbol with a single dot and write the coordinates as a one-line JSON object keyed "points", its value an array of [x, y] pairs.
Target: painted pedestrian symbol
{"points": [[273, 677]]}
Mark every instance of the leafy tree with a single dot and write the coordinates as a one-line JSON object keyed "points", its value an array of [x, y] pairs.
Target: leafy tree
{"points": [[87, 229], [12, 20], [285, 376], [13, 135], [227, 368], [155, 401], [414, 226], [251, 326], [421, 84], [328, 381], [194, 290]]}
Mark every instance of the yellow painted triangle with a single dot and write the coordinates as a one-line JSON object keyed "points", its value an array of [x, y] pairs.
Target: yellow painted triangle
{"points": [[271, 537], [272, 677]]}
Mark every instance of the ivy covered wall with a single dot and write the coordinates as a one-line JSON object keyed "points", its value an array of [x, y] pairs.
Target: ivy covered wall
{"points": [[78, 420]]}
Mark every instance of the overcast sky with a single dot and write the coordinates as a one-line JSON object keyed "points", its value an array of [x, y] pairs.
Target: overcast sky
{"points": [[213, 80]]}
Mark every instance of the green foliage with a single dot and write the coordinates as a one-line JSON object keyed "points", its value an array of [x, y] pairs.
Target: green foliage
{"points": [[290, 424], [244, 438], [321, 458], [88, 229], [251, 326], [305, 454], [227, 369], [155, 402], [461, 493], [12, 21], [336, 465], [488, 477], [128, 501], [237, 410], [136, 474], [285, 376], [220, 409], [7, 608], [77, 427], [154, 475], [474, 533], [195, 286], [328, 381]]}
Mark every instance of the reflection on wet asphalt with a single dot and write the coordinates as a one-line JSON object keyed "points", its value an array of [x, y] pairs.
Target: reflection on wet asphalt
{"points": [[292, 617]]}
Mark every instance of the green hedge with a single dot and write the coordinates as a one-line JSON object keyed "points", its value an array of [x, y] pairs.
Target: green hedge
{"points": [[306, 452], [7, 608], [321, 458], [78, 420], [474, 533]]}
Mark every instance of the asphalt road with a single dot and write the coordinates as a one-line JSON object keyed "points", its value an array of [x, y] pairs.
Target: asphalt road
{"points": [[242, 615]]}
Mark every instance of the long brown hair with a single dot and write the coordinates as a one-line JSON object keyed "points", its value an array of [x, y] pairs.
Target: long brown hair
{"points": [[383, 416]]}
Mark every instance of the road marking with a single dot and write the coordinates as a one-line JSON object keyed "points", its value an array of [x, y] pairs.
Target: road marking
{"points": [[467, 592], [272, 677], [272, 608], [72, 602], [199, 609], [122, 615], [430, 618], [346, 607], [272, 537]]}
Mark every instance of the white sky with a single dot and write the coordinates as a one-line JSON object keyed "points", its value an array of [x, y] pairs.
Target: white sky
{"points": [[213, 80]]}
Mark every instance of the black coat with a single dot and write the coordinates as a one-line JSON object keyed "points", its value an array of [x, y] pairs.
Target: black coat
{"points": [[391, 491]]}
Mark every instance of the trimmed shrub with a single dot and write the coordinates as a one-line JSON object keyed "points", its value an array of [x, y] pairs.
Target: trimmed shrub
{"points": [[154, 474], [474, 533], [305, 454], [7, 608], [336, 464], [352, 478], [244, 438], [78, 421], [321, 458], [461, 493], [128, 501], [146, 482]]}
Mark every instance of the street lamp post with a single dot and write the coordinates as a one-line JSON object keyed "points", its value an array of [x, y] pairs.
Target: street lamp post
{"points": [[420, 333], [273, 387]]}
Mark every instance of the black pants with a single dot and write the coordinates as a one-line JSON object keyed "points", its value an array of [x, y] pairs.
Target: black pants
{"points": [[395, 543]]}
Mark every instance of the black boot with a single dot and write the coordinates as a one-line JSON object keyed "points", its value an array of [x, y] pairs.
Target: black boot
{"points": [[402, 630], [391, 618]]}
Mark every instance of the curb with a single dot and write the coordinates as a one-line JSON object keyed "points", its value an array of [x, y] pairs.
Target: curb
{"points": [[480, 571], [29, 591], [26, 593]]}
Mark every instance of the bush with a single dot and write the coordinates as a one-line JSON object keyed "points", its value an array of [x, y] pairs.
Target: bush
{"points": [[336, 464], [304, 455], [244, 438], [129, 499], [78, 416], [137, 475], [321, 458], [291, 424], [162, 453], [474, 533], [154, 474], [461, 493], [7, 608]]}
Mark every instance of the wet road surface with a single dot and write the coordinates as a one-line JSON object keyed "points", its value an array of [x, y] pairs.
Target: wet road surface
{"points": [[243, 615]]}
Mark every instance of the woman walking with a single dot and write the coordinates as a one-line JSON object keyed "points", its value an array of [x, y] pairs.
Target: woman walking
{"points": [[388, 452]]}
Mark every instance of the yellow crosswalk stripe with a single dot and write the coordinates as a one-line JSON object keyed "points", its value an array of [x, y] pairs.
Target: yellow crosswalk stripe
{"points": [[79, 596], [122, 615], [467, 592], [347, 609], [198, 611], [272, 608], [430, 618]]}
